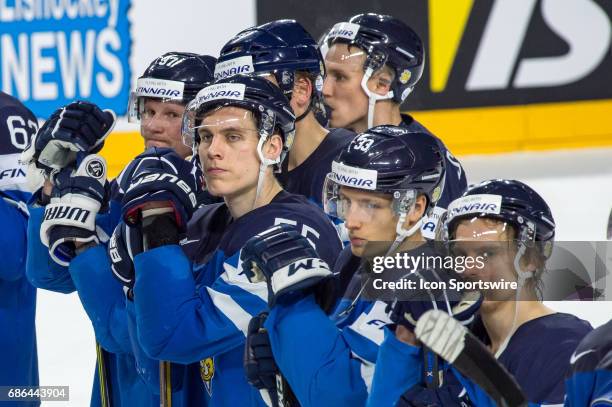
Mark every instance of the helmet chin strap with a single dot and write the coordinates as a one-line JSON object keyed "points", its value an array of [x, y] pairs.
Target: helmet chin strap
{"points": [[523, 276], [402, 234], [372, 97], [264, 164]]}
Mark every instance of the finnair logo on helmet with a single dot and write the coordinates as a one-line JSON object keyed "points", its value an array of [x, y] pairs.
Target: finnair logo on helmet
{"points": [[482, 203], [240, 65], [353, 176], [159, 88], [344, 30], [221, 91]]}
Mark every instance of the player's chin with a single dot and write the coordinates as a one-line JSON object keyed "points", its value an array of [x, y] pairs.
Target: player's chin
{"points": [[157, 143]]}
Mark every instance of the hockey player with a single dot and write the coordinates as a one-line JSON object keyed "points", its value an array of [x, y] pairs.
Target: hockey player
{"points": [[381, 185], [285, 53], [18, 356], [509, 224], [373, 63], [198, 311], [589, 379], [177, 76]]}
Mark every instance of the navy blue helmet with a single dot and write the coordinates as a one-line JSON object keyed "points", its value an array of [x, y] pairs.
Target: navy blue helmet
{"points": [[508, 201], [386, 41], [280, 48], [258, 95], [391, 160], [174, 76]]}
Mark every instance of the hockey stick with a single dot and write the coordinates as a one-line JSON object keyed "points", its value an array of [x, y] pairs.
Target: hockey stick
{"points": [[102, 377], [453, 342], [165, 385]]}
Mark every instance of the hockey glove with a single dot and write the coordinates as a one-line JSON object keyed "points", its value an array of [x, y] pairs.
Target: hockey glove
{"points": [[160, 179], [462, 305], [124, 245], [259, 365], [70, 217], [290, 266], [261, 369], [79, 127]]}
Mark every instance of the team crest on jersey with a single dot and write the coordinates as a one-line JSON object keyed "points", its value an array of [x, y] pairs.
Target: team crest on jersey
{"points": [[207, 371]]}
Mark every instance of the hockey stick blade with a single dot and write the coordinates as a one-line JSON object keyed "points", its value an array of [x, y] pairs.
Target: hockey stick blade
{"points": [[454, 343]]}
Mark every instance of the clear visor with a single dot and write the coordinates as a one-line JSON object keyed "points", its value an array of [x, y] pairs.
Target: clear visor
{"points": [[158, 89], [229, 121], [340, 201]]}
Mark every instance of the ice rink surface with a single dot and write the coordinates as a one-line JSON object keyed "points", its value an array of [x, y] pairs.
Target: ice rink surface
{"points": [[577, 184]]}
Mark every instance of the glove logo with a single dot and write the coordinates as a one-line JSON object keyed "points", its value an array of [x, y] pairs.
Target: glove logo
{"points": [[207, 371], [66, 212], [95, 169], [306, 264]]}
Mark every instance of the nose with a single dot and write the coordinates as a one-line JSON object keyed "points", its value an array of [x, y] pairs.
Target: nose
{"points": [[152, 124], [352, 220], [213, 148], [327, 87]]}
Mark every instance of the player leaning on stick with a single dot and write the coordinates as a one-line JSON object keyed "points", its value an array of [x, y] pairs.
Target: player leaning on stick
{"points": [[373, 63], [198, 311], [62, 148], [382, 184], [509, 225]]}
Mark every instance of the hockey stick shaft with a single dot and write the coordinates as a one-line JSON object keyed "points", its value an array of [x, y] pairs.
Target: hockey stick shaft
{"points": [[454, 343], [165, 385], [103, 377]]}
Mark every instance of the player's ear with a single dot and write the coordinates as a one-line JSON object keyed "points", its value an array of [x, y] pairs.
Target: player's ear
{"points": [[273, 146], [302, 89], [417, 212], [382, 80]]}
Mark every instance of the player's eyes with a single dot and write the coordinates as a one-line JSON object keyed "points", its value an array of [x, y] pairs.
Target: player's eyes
{"points": [[233, 137], [172, 115], [205, 138]]}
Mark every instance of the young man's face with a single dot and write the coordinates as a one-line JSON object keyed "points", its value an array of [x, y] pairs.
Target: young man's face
{"points": [[342, 87], [160, 125], [494, 242], [228, 151], [368, 218]]}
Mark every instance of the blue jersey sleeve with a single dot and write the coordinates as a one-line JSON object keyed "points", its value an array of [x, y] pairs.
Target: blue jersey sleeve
{"points": [[398, 368], [12, 242], [325, 366], [41, 270], [185, 323], [102, 298]]}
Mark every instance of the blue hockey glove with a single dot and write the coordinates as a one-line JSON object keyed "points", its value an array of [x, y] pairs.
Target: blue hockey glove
{"points": [[70, 217], [290, 266], [261, 369], [79, 127], [124, 245], [159, 176], [259, 365]]}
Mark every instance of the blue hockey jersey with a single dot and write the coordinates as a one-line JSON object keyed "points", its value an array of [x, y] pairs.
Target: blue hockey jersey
{"points": [[329, 361], [455, 180], [193, 304], [17, 296], [538, 356], [307, 179], [133, 378], [589, 378]]}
